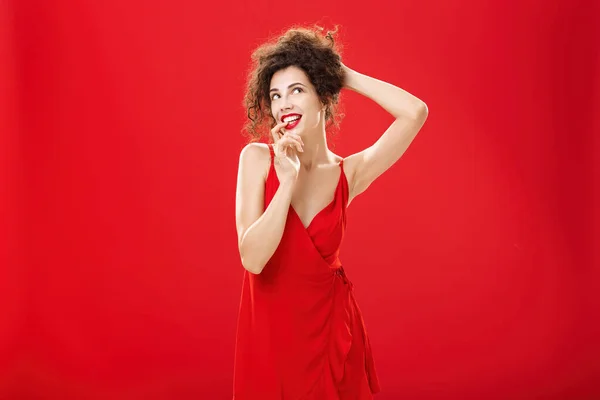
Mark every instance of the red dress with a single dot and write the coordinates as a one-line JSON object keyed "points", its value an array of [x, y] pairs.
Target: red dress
{"points": [[300, 332]]}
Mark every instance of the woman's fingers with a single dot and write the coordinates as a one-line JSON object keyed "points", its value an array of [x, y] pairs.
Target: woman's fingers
{"points": [[288, 141], [276, 131], [295, 136], [275, 135], [279, 129]]}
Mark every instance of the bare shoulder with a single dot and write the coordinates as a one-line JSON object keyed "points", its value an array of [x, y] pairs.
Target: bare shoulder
{"points": [[255, 159]]}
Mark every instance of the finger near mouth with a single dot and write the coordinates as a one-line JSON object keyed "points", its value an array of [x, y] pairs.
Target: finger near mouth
{"points": [[294, 122]]}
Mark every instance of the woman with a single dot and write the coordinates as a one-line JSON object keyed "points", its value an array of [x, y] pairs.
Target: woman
{"points": [[300, 332]]}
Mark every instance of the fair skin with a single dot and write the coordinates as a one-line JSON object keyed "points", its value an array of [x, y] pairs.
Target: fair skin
{"points": [[303, 161]]}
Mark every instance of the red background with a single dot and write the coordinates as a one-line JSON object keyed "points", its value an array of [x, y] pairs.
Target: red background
{"points": [[475, 258]]}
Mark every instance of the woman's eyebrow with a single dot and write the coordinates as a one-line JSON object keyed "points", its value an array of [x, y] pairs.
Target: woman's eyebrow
{"points": [[295, 83]]}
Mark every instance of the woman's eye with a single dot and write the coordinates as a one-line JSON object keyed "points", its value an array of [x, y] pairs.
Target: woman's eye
{"points": [[273, 97]]}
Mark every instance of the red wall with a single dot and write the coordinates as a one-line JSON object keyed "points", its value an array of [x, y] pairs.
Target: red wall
{"points": [[12, 265], [473, 258]]}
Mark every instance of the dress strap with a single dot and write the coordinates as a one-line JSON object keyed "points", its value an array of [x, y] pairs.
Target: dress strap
{"points": [[344, 185], [272, 152]]}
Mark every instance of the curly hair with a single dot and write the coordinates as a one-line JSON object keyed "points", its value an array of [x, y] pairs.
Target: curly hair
{"points": [[308, 49]]}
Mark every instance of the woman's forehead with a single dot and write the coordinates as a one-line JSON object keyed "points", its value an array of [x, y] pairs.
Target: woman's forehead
{"points": [[284, 77]]}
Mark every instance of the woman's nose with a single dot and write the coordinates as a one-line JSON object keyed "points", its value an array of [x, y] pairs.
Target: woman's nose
{"points": [[285, 104]]}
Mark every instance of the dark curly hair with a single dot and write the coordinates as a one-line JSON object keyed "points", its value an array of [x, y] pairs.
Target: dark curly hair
{"points": [[308, 49]]}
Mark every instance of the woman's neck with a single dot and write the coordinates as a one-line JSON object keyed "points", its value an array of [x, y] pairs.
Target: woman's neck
{"points": [[315, 151]]}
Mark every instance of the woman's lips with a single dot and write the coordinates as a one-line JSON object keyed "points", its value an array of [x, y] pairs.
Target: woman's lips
{"points": [[292, 125]]}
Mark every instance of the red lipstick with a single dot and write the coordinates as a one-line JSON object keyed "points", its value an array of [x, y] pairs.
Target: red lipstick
{"points": [[291, 124]]}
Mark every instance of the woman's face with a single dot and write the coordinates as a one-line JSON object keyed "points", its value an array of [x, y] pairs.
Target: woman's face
{"points": [[294, 98]]}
